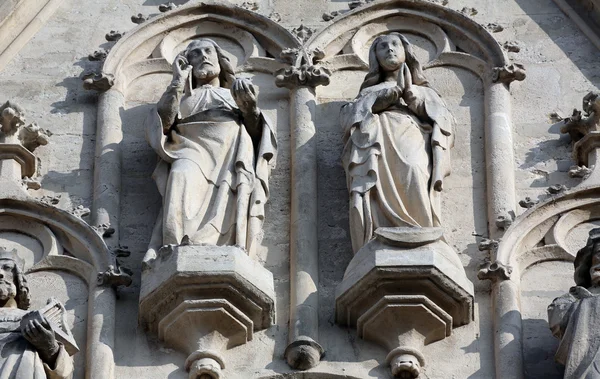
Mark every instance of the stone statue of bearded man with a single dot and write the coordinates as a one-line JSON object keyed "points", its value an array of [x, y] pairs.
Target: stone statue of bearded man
{"points": [[30, 350], [215, 148]]}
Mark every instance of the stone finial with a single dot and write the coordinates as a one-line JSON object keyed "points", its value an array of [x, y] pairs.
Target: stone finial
{"points": [[17, 143], [303, 71], [508, 73], [14, 130]]}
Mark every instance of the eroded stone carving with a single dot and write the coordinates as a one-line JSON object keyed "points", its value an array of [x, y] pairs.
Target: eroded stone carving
{"points": [[573, 316], [303, 33], [578, 126], [14, 130], [29, 342], [98, 81], [18, 165], [167, 7], [113, 36], [139, 18], [495, 271], [216, 148], [303, 70], [115, 277], [397, 112], [509, 73]]}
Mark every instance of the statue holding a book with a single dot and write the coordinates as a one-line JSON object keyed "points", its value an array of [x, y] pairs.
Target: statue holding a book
{"points": [[33, 345]]}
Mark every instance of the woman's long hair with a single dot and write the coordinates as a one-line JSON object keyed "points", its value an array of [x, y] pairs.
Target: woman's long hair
{"points": [[227, 74], [376, 74]]}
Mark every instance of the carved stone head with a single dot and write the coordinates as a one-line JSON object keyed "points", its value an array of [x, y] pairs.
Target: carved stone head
{"points": [[387, 53], [12, 281], [208, 62], [591, 103], [587, 262]]}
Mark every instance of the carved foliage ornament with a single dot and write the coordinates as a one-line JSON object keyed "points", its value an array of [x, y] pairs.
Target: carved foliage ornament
{"points": [[304, 70]]}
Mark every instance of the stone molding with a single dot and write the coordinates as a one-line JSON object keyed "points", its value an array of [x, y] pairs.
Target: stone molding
{"points": [[20, 21], [203, 300]]}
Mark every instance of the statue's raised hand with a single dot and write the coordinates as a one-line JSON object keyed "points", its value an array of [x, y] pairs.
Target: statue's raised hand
{"points": [[39, 333], [245, 95], [181, 68]]}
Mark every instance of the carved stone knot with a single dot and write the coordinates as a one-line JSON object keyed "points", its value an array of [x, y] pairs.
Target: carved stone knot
{"points": [[114, 277], [509, 73], [495, 271]]}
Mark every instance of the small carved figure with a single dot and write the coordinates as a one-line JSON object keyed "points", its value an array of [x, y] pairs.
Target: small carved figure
{"points": [[573, 316], [29, 345], [398, 133], [578, 126], [215, 148]]}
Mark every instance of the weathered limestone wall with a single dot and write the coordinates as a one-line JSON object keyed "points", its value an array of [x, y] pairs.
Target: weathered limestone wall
{"points": [[562, 66]]}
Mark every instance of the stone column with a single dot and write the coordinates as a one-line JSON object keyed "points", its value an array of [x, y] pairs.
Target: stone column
{"points": [[499, 154], [107, 164], [100, 362], [303, 351], [500, 171]]}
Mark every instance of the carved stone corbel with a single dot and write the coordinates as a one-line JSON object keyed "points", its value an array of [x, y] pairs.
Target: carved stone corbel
{"points": [[98, 81], [508, 73], [303, 351], [114, 277], [303, 71], [495, 271]]}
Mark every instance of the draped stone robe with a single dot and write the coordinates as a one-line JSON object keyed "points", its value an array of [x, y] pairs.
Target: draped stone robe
{"points": [[212, 176], [19, 359], [574, 319], [395, 161]]}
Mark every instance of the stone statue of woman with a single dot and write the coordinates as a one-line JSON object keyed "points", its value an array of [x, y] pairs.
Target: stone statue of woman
{"points": [[397, 134], [215, 148]]}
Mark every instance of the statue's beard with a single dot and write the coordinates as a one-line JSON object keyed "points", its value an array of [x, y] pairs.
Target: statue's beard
{"points": [[206, 72], [7, 290]]}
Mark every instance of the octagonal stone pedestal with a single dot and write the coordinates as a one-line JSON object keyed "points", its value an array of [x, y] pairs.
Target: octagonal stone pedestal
{"points": [[202, 300], [404, 289]]}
